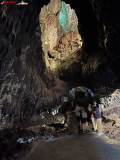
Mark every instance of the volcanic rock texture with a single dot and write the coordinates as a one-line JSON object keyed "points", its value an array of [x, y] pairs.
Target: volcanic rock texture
{"points": [[26, 86], [60, 37], [42, 57]]}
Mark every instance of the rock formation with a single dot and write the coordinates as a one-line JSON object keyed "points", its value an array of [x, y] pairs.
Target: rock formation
{"points": [[60, 36], [110, 107], [45, 51]]}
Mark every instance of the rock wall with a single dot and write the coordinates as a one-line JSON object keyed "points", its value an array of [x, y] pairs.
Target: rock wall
{"points": [[28, 84], [110, 105], [107, 14], [26, 87], [110, 108]]}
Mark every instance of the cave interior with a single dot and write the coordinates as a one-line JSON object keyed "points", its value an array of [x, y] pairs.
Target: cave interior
{"points": [[45, 53]]}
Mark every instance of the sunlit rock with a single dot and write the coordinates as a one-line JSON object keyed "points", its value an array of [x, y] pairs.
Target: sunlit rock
{"points": [[67, 18], [51, 30], [60, 36]]}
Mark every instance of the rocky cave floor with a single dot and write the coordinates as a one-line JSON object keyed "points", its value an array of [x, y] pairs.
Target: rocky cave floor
{"points": [[38, 128]]}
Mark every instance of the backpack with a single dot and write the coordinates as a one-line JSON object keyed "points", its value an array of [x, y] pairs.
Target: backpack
{"points": [[84, 114]]}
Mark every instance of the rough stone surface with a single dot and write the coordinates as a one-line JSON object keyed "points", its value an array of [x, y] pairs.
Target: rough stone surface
{"points": [[27, 86], [107, 13], [110, 106], [69, 42], [59, 33], [51, 30], [35, 75], [114, 133], [71, 123], [113, 100]]}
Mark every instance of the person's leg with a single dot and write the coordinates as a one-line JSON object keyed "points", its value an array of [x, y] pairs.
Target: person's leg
{"points": [[99, 124], [94, 124], [82, 127], [85, 126]]}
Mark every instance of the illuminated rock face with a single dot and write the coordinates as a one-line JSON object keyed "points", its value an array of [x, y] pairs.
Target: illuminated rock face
{"points": [[63, 17], [69, 43], [59, 26], [51, 30], [67, 18]]}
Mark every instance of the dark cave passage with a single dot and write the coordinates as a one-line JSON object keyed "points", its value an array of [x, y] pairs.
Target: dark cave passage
{"points": [[88, 24], [53, 52]]}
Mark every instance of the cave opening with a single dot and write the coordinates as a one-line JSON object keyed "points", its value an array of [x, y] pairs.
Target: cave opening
{"points": [[89, 27], [88, 22], [71, 33]]}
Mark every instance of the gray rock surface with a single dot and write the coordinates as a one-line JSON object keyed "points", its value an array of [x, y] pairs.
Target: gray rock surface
{"points": [[110, 105]]}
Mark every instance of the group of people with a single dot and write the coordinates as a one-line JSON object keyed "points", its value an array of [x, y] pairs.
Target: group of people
{"points": [[81, 115], [95, 116]]}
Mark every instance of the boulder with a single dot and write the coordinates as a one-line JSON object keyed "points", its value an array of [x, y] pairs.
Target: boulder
{"points": [[110, 105], [82, 95]]}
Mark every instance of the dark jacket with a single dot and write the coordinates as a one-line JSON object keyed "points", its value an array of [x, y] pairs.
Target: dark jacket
{"points": [[97, 114]]}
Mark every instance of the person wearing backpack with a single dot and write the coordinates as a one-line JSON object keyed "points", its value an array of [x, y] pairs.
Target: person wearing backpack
{"points": [[83, 119]]}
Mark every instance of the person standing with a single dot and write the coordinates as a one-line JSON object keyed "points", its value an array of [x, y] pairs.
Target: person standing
{"points": [[94, 123], [98, 117], [83, 116]]}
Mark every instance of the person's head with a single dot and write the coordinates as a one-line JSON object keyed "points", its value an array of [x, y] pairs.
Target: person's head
{"points": [[94, 104]]}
